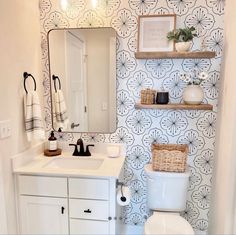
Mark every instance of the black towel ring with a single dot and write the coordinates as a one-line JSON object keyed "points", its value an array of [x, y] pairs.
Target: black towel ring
{"points": [[26, 75], [54, 78]]}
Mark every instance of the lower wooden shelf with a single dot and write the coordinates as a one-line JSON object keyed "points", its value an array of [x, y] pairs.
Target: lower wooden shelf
{"points": [[175, 55], [175, 106]]}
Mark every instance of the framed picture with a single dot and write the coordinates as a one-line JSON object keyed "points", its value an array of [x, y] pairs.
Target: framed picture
{"points": [[152, 32]]}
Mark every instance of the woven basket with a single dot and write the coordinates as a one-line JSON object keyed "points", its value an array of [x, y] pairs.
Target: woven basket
{"points": [[169, 157], [148, 96]]}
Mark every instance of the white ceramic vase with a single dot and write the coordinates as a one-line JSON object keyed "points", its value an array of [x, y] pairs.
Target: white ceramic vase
{"points": [[183, 46], [193, 94]]}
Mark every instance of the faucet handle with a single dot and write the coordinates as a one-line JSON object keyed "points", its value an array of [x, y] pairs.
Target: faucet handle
{"points": [[87, 152], [79, 141], [75, 153]]}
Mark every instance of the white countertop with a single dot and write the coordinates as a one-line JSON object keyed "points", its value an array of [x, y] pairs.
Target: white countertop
{"points": [[110, 167], [33, 162]]}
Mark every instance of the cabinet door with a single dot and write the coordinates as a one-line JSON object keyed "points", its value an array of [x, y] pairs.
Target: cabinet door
{"points": [[43, 215]]}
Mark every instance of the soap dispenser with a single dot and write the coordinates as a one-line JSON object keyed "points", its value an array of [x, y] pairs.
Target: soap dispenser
{"points": [[52, 142]]}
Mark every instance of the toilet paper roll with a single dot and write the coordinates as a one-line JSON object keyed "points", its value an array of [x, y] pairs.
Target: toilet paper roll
{"points": [[123, 200]]}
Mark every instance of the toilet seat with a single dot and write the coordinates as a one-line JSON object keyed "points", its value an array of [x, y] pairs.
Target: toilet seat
{"points": [[167, 223]]}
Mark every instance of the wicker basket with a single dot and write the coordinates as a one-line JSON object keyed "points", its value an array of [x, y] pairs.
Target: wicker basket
{"points": [[169, 157], [148, 96]]}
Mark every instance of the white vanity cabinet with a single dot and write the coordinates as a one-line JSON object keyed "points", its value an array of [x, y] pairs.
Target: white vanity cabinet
{"points": [[66, 205]]}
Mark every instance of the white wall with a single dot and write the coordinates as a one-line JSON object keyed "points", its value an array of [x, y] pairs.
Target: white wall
{"points": [[3, 221], [20, 51], [222, 217]]}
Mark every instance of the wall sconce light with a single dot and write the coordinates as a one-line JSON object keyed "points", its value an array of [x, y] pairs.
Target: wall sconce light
{"points": [[94, 3], [64, 4]]}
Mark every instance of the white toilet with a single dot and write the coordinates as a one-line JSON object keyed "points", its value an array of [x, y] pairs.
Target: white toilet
{"points": [[167, 192]]}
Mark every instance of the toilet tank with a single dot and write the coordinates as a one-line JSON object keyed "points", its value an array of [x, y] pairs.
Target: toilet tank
{"points": [[166, 191]]}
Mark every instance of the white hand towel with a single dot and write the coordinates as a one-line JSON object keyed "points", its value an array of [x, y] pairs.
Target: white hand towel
{"points": [[62, 120], [33, 117]]}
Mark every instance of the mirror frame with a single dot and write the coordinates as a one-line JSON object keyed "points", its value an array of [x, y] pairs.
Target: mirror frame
{"points": [[50, 81]]}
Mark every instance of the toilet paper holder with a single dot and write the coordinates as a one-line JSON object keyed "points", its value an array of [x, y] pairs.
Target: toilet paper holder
{"points": [[118, 183], [121, 184]]}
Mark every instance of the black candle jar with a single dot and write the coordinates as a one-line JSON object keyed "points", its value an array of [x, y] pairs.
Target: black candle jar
{"points": [[162, 97]]}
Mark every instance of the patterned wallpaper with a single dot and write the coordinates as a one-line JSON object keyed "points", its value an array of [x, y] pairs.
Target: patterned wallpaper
{"points": [[139, 128]]}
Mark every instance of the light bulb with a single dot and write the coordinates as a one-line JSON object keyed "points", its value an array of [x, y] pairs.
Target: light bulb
{"points": [[64, 4], [94, 3]]}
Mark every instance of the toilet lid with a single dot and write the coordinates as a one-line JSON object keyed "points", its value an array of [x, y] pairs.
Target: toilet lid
{"points": [[167, 223]]}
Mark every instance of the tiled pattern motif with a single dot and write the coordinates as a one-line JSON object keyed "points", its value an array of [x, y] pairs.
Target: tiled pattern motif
{"points": [[139, 128]]}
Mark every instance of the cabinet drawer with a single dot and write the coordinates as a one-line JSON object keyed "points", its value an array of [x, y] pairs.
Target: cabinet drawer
{"points": [[42, 186], [89, 188], [87, 227], [89, 209]]}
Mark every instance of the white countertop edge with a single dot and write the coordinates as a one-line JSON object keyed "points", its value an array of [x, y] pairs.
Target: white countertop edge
{"points": [[112, 167], [27, 156], [67, 174]]}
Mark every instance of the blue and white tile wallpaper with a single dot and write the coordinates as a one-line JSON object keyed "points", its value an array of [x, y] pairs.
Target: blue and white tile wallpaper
{"points": [[139, 128]]}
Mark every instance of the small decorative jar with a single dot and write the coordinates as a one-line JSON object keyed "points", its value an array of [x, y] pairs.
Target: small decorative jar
{"points": [[193, 94], [162, 97]]}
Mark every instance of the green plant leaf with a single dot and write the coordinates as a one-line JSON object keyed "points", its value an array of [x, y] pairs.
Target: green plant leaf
{"points": [[182, 34]]}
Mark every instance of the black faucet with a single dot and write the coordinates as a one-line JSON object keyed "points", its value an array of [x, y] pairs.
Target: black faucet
{"points": [[81, 151]]}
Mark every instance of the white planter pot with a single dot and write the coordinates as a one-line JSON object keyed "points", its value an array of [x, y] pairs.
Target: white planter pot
{"points": [[183, 46], [193, 94]]}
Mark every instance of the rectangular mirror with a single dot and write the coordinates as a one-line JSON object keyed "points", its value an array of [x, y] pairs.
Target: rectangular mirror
{"points": [[82, 66]]}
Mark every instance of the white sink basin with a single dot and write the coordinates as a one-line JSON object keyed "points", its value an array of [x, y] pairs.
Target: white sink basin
{"points": [[75, 163]]}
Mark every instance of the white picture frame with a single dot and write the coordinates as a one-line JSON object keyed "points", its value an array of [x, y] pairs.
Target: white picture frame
{"points": [[152, 32]]}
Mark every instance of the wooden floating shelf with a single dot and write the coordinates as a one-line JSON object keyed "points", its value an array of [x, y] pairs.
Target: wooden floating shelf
{"points": [[175, 55], [175, 106]]}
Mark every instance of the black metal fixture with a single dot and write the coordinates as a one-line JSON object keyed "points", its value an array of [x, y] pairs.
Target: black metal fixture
{"points": [[88, 211], [81, 151], [54, 78], [26, 75], [121, 184], [73, 125]]}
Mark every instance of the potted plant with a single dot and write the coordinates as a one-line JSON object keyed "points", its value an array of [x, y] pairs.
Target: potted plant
{"points": [[193, 93], [182, 38]]}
